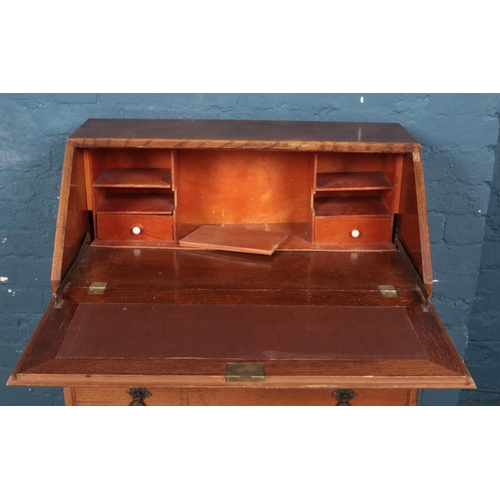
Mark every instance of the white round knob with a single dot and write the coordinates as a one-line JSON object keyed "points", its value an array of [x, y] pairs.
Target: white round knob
{"points": [[136, 230], [355, 233]]}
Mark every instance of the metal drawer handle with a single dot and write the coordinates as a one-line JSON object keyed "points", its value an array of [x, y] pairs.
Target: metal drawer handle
{"points": [[138, 394], [343, 396]]}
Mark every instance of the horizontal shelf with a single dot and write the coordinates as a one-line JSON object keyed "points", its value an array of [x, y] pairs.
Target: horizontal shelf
{"points": [[366, 206], [355, 181], [159, 178], [137, 204]]}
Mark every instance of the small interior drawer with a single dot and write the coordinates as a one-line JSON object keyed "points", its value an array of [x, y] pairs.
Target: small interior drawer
{"points": [[134, 227], [234, 396], [352, 229]]}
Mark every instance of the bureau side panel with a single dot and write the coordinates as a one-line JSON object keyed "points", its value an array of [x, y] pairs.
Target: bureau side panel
{"points": [[412, 225], [73, 218]]}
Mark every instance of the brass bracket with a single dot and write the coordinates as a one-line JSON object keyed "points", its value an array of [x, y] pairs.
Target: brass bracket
{"points": [[97, 288], [57, 295], [245, 372], [388, 291], [58, 302]]}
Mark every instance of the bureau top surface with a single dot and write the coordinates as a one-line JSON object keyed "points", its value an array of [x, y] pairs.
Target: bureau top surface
{"points": [[285, 135]]}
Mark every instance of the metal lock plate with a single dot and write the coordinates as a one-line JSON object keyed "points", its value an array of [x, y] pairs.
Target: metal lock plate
{"points": [[245, 372]]}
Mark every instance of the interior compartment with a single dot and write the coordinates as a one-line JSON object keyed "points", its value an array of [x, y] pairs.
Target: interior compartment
{"points": [[279, 191], [130, 189], [360, 185]]}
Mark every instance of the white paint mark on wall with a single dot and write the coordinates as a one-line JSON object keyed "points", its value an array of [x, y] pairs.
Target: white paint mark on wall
{"points": [[361, 99], [3, 279]]}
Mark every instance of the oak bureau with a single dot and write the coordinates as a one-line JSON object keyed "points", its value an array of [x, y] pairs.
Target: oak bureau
{"points": [[214, 262]]}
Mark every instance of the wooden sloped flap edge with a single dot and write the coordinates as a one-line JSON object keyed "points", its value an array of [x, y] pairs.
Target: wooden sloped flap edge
{"points": [[39, 364]]}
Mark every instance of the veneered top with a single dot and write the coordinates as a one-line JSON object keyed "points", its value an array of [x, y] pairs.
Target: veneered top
{"points": [[247, 134]]}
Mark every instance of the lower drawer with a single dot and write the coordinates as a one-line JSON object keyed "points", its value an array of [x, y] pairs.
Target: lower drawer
{"points": [[134, 227], [352, 229], [160, 396]]}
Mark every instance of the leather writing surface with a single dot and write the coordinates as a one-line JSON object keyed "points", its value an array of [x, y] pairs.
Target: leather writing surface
{"points": [[240, 332]]}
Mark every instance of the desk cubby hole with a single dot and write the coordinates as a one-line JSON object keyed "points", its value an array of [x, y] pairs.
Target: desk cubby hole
{"points": [[357, 173], [131, 182], [359, 186]]}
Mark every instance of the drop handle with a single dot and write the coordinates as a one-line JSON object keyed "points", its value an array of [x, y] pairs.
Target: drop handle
{"points": [[136, 230], [138, 394], [343, 396], [355, 233]]}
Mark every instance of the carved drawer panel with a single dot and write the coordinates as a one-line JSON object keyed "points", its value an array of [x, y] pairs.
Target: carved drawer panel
{"points": [[160, 396]]}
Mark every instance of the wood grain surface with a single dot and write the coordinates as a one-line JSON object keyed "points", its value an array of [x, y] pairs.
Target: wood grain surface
{"points": [[137, 203], [339, 229], [241, 134], [411, 223], [117, 396], [352, 181], [119, 227], [73, 222], [366, 206], [194, 271], [243, 187], [234, 239], [135, 178], [171, 318]]}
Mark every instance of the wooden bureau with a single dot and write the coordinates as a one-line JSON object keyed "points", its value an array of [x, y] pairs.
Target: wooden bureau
{"points": [[213, 262]]}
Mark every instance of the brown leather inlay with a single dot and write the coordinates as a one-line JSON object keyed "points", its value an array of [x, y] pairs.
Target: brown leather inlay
{"points": [[149, 331]]}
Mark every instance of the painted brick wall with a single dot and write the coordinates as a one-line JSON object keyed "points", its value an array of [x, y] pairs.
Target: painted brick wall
{"points": [[483, 351], [458, 133]]}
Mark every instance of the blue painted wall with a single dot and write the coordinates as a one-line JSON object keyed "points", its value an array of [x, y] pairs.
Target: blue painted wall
{"points": [[458, 132], [483, 352]]}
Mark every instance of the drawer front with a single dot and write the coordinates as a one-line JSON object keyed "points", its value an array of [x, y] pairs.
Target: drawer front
{"points": [[160, 396], [353, 229], [134, 227]]}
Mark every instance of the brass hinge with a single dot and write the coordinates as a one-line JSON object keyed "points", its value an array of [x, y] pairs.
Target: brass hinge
{"points": [[388, 291], [240, 372], [97, 288], [58, 302]]}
